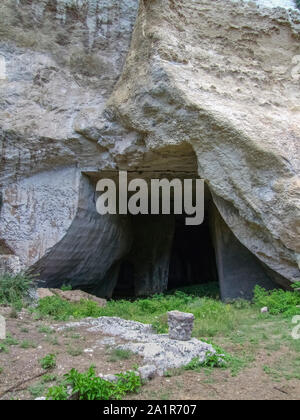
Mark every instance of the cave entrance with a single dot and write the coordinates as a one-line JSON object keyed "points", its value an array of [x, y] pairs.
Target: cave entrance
{"points": [[193, 258], [118, 255], [167, 254]]}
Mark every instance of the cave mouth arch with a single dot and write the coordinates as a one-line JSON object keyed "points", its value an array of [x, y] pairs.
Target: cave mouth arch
{"points": [[131, 256]]}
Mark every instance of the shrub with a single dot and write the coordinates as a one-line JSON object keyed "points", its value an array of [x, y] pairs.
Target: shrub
{"points": [[48, 377], [57, 393], [26, 344], [14, 288], [48, 362], [36, 390], [278, 301], [66, 288], [91, 387], [60, 309], [298, 3]]}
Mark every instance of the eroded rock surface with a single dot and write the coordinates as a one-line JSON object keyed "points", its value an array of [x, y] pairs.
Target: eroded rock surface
{"points": [[159, 350], [212, 82]]}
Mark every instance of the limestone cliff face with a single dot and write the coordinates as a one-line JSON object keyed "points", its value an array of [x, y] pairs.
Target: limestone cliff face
{"points": [[225, 78], [81, 92], [58, 59]]}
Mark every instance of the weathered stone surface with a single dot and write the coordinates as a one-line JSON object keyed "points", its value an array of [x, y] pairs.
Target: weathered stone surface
{"points": [[110, 378], [180, 325], [211, 74], [158, 350], [73, 296], [9, 264], [147, 372], [59, 63], [216, 81], [76, 296], [42, 293]]}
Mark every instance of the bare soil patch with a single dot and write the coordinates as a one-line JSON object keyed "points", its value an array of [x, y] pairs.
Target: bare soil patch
{"points": [[79, 349]]}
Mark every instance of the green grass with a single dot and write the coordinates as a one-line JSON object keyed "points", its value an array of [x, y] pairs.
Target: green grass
{"points": [[53, 340], [44, 329], [37, 390], [238, 327], [27, 344], [10, 340], [24, 330], [120, 354], [48, 377], [74, 351], [212, 317], [66, 288], [48, 362], [92, 387], [13, 289], [278, 301]]}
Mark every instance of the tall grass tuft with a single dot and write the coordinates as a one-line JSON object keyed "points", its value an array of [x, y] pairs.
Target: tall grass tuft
{"points": [[14, 288]]}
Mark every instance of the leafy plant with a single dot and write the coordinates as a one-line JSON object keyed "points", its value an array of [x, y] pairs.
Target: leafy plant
{"points": [[48, 362], [91, 387], [48, 377], [10, 340], [57, 393], [26, 344], [66, 288], [298, 3], [36, 390], [14, 288], [59, 309], [212, 360], [296, 285], [3, 348], [278, 301], [44, 329]]}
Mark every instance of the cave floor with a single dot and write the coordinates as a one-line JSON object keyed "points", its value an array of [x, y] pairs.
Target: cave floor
{"points": [[268, 367]]}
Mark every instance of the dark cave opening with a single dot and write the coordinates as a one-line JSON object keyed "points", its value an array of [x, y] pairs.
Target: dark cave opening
{"points": [[188, 259], [125, 287], [193, 258]]}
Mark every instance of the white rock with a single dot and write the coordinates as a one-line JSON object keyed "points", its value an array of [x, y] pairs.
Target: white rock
{"points": [[159, 350], [147, 372], [109, 378], [264, 310]]}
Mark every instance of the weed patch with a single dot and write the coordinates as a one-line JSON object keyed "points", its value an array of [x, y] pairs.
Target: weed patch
{"points": [[91, 387], [13, 289], [48, 362]]}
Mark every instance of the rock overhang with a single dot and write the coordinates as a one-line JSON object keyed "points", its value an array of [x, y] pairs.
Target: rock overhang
{"points": [[211, 76]]}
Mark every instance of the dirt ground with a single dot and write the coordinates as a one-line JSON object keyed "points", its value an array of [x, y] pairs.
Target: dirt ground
{"points": [[21, 375], [251, 384]]}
